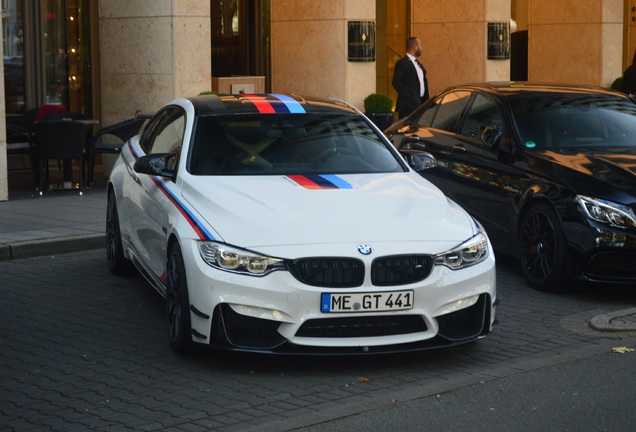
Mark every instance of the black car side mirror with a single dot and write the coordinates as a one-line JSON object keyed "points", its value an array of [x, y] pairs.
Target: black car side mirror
{"points": [[419, 160], [154, 164]]}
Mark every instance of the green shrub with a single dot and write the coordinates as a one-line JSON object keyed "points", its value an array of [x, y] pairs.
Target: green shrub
{"points": [[378, 103], [207, 93], [616, 85]]}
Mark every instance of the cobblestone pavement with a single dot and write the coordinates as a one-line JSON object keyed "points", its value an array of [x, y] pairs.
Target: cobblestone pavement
{"points": [[83, 350]]}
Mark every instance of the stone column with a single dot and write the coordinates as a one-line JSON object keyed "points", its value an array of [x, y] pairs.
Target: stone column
{"points": [[309, 49], [572, 41], [454, 39], [152, 52]]}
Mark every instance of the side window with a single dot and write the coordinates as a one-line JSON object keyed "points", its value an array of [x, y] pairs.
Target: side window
{"points": [[164, 134], [450, 110], [426, 119], [483, 113], [169, 135], [149, 132]]}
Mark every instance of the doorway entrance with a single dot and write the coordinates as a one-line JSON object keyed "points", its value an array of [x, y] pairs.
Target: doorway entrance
{"points": [[393, 18], [241, 38]]}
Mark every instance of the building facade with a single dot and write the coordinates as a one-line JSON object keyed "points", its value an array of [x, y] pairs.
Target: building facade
{"points": [[111, 59]]}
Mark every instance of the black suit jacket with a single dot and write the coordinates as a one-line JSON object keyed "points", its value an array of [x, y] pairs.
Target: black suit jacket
{"points": [[407, 85]]}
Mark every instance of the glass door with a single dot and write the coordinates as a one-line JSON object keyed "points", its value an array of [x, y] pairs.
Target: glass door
{"points": [[240, 38], [393, 20], [54, 53], [13, 49], [47, 54]]}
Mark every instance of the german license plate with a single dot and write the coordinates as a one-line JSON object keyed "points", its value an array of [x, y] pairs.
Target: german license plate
{"points": [[367, 302]]}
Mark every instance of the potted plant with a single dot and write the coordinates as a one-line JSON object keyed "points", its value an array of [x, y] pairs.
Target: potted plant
{"points": [[379, 108]]}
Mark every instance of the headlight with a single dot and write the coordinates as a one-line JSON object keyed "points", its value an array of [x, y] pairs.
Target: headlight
{"points": [[224, 257], [607, 212], [467, 254]]}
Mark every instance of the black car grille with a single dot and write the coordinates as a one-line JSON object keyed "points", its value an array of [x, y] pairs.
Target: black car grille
{"points": [[400, 269], [364, 326], [329, 272], [612, 264], [349, 272]]}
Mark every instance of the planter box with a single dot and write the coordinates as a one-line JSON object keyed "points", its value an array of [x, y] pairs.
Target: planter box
{"points": [[382, 121]]}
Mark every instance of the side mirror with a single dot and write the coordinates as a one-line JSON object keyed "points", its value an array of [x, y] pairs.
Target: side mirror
{"points": [[491, 137], [154, 164], [419, 160]]}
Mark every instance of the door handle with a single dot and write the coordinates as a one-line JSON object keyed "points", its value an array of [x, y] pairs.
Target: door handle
{"points": [[458, 148]]}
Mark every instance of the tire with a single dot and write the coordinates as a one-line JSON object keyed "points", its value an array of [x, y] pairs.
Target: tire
{"points": [[543, 249], [177, 303], [118, 264]]}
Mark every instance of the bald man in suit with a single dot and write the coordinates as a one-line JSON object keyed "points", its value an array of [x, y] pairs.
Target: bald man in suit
{"points": [[409, 79]]}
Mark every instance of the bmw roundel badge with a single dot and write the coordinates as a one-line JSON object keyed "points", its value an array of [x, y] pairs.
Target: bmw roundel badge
{"points": [[364, 249]]}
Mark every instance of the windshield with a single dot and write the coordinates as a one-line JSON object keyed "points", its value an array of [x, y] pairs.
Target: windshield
{"points": [[264, 144], [570, 121]]}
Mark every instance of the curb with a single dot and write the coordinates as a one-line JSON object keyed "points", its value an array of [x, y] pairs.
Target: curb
{"points": [[623, 320], [52, 246]]}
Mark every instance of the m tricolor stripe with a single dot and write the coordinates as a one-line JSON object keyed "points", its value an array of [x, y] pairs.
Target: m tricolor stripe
{"points": [[192, 220], [275, 104], [320, 182]]}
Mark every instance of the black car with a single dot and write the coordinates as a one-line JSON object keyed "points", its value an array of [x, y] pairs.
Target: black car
{"points": [[550, 171]]}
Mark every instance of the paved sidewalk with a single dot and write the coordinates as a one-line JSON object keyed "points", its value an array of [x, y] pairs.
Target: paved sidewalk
{"points": [[58, 222]]}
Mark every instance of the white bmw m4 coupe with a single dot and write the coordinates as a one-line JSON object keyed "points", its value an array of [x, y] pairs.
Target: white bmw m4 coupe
{"points": [[282, 224]]}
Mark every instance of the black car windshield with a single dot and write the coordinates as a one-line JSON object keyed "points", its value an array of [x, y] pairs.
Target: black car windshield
{"points": [[570, 121], [284, 144]]}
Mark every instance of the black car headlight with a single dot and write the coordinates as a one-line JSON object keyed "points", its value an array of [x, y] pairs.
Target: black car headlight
{"points": [[607, 212], [228, 258], [471, 252]]}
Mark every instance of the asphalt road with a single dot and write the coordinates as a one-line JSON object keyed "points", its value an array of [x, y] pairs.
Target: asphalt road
{"points": [[83, 350], [590, 394]]}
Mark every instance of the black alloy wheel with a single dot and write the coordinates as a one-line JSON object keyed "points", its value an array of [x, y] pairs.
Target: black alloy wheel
{"points": [[542, 249], [177, 303], [118, 264]]}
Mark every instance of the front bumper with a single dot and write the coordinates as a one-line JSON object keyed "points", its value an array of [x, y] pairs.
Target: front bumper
{"points": [[598, 254], [278, 314], [236, 332]]}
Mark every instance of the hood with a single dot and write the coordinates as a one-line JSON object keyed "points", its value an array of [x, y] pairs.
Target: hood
{"points": [[252, 211], [595, 171]]}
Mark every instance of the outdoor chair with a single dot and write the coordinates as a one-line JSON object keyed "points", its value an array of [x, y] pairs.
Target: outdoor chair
{"points": [[61, 139], [110, 140], [20, 141]]}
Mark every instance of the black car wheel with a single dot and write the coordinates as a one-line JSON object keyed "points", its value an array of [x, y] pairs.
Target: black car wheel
{"points": [[117, 261], [542, 249], [177, 303]]}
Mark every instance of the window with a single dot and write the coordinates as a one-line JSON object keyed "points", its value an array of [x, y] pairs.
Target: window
{"points": [[450, 110], [483, 113], [47, 54], [288, 144], [561, 120], [169, 134], [426, 119]]}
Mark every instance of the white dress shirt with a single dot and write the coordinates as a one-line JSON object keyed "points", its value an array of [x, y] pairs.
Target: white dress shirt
{"points": [[420, 74]]}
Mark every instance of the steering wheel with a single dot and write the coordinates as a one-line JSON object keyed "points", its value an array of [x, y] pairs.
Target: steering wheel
{"points": [[253, 151]]}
